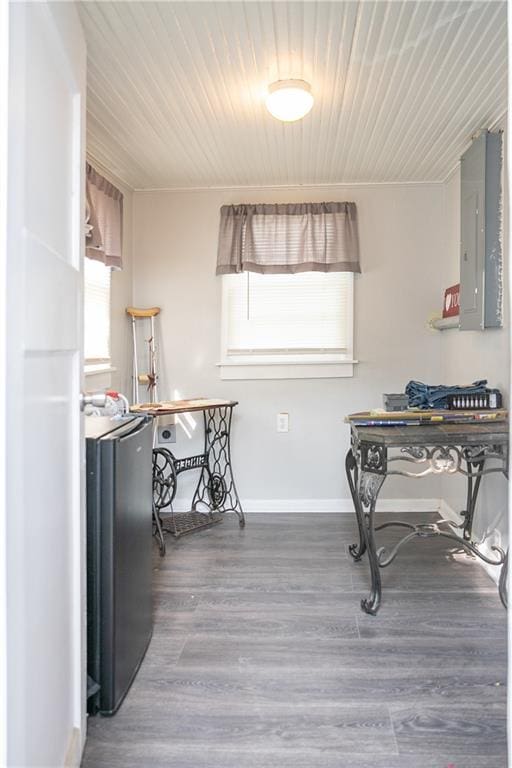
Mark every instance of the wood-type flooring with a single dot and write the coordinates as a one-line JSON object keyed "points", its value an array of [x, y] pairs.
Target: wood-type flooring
{"points": [[262, 658]]}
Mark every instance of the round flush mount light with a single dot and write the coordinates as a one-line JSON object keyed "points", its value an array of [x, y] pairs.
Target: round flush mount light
{"points": [[289, 100]]}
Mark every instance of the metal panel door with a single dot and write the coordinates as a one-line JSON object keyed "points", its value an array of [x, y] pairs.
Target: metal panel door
{"points": [[472, 254]]}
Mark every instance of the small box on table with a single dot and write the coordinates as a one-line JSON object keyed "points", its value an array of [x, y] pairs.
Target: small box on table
{"points": [[395, 402]]}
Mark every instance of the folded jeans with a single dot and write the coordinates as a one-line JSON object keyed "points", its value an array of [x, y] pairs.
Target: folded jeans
{"points": [[436, 396]]}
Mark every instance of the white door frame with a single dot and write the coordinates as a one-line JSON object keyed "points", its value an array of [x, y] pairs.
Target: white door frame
{"points": [[4, 58]]}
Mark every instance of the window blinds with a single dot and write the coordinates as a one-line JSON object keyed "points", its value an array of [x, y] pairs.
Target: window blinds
{"points": [[96, 312], [307, 314]]}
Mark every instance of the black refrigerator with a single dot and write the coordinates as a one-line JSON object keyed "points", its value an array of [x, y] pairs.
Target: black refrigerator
{"points": [[119, 555]]}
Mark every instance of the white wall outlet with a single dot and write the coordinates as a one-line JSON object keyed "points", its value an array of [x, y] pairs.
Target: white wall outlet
{"points": [[283, 422], [167, 434]]}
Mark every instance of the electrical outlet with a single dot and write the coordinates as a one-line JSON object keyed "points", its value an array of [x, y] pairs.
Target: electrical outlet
{"points": [[167, 434], [283, 422]]}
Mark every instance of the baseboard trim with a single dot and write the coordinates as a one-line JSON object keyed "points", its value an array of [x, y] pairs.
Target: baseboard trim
{"points": [[325, 506], [447, 512], [73, 753]]}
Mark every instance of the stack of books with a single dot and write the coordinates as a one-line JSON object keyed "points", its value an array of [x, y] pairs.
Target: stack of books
{"points": [[417, 417]]}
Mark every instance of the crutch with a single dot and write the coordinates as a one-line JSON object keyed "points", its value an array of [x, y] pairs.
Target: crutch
{"points": [[150, 378]]}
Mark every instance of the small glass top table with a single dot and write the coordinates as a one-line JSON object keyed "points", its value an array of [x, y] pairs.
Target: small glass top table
{"points": [[472, 449], [215, 491]]}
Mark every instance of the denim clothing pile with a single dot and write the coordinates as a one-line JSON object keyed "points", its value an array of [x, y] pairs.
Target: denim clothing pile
{"points": [[436, 396]]}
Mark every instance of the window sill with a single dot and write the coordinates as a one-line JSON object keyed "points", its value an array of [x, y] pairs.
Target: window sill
{"points": [[91, 370], [99, 376], [316, 370]]}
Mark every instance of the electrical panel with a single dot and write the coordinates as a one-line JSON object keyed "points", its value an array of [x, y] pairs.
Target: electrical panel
{"points": [[481, 247]]}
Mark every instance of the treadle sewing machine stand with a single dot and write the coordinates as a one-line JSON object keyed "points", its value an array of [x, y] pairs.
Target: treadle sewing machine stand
{"points": [[433, 449], [215, 492]]}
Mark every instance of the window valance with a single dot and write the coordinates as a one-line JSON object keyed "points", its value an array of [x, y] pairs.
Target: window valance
{"points": [[104, 220], [288, 238]]}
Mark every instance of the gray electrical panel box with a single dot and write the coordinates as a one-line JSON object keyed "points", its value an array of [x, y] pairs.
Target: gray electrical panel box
{"points": [[481, 254]]}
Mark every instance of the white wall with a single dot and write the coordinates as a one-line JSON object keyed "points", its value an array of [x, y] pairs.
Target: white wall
{"points": [[402, 240], [471, 355]]}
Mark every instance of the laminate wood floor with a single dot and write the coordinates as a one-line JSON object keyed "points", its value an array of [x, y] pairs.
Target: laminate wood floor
{"points": [[262, 658]]}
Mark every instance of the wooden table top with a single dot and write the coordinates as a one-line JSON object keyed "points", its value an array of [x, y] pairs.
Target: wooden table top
{"points": [[170, 407], [435, 434]]}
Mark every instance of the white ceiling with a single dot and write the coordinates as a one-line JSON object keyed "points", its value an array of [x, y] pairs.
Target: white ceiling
{"points": [[176, 89]]}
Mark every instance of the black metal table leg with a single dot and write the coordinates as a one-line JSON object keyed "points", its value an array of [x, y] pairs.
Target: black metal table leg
{"points": [[474, 476], [503, 582], [368, 491], [158, 530], [216, 487], [356, 550]]}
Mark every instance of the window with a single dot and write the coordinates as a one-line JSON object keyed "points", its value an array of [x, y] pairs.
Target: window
{"points": [[287, 289], [287, 325], [96, 313]]}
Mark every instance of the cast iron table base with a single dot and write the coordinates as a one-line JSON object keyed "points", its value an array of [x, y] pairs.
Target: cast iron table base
{"points": [[432, 449], [215, 492]]}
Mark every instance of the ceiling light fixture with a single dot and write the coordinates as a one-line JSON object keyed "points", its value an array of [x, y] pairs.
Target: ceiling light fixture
{"points": [[289, 100]]}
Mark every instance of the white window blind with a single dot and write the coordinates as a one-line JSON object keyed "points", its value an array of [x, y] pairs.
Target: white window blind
{"points": [[96, 312], [298, 318]]}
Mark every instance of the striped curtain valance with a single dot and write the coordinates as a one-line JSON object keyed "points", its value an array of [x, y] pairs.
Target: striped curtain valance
{"points": [[288, 238], [104, 220]]}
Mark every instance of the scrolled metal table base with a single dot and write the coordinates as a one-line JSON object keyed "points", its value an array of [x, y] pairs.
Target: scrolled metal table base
{"points": [[367, 465], [216, 487], [428, 530], [215, 492]]}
